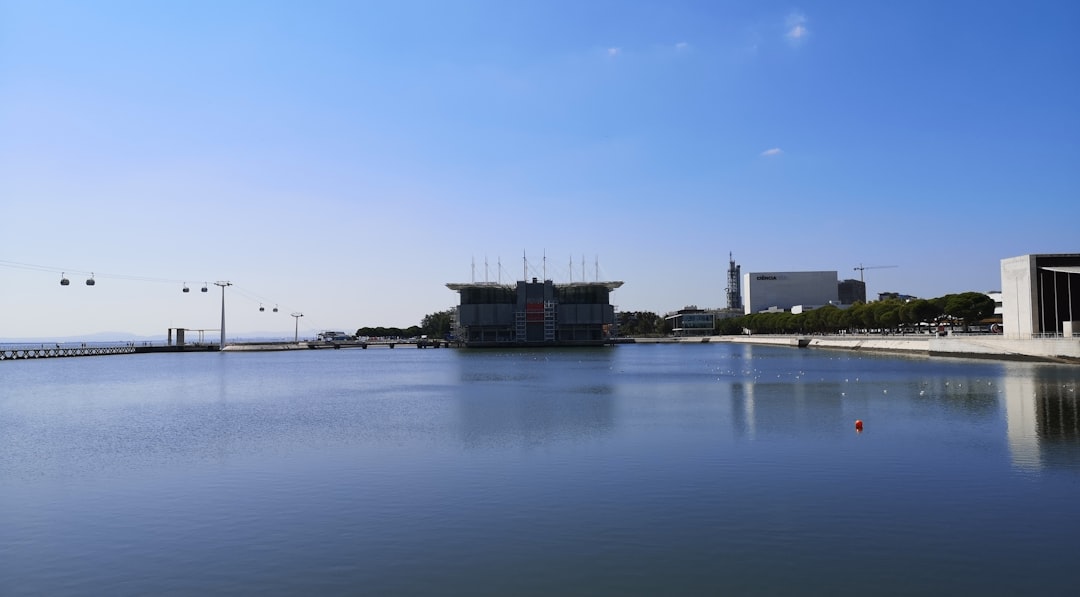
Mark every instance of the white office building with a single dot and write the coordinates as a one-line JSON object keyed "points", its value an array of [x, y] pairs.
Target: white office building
{"points": [[1040, 295], [783, 290]]}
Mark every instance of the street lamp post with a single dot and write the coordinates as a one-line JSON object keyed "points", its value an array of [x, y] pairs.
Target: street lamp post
{"points": [[296, 328], [222, 284]]}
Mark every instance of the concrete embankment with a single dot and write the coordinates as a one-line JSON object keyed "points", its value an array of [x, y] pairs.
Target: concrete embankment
{"points": [[1058, 350], [985, 346]]}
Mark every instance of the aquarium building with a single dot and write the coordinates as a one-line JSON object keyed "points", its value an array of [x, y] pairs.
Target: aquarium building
{"points": [[536, 313]]}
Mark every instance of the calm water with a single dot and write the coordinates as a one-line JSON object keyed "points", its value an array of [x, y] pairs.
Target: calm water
{"points": [[635, 470]]}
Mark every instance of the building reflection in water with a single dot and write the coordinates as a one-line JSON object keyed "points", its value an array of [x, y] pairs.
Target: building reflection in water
{"points": [[783, 407], [1043, 419], [519, 402], [742, 407]]}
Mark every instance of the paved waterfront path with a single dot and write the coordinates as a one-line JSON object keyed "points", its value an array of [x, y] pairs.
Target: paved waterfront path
{"points": [[987, 346]]}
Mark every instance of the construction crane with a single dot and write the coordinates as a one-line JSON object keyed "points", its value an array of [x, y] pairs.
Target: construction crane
{"points": [[862, 268]]}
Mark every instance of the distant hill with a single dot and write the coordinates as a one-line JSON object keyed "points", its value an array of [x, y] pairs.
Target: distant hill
{"points": [[97, 337]]}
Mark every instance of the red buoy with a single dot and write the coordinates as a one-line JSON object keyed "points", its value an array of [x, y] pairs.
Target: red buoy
{"points": [[858, 425]]}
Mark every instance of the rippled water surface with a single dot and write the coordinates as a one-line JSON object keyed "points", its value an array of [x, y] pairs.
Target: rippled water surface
{"points": [[635, 470]]}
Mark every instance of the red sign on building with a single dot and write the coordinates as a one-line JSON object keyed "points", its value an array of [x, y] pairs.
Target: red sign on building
{"points": [[534, 311]]}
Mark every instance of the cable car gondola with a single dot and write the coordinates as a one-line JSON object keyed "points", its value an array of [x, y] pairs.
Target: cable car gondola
{"points": [[90, 280], [261, 308], [204, 286], [64, 281], [186, 289], [275, 308]]}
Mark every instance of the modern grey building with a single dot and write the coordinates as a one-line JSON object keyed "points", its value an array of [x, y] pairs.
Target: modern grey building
{"points": [[784, 290], [851, 292], [1040, 295], [692, 321], [534, 313]]}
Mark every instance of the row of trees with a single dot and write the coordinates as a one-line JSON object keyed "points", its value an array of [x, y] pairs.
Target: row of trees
{"points": [[433, 325], [388, 332], [643, 323], [889, 315]]}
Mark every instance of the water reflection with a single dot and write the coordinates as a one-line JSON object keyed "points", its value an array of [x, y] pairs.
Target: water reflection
{"points": [[785, 408], [1043, 419], [742, 410], [974, 398], [531, 398]]}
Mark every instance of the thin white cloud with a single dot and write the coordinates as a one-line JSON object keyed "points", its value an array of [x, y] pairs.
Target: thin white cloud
{"points": [[614, 52], [682, 45], [775, 151], [796, 28]]}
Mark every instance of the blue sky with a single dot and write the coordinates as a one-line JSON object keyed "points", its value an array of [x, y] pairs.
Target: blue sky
{"points": [[347, 159]]}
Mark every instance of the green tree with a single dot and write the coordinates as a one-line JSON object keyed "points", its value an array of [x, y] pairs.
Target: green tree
{"points": [[889, 317], [756, 323], [857, 315], [886, 314], [639, 323], [921, 311], [662, 326], [813, 321], [437, 325], [969, 307], [729, 326], [844, 320], [832, 319]]}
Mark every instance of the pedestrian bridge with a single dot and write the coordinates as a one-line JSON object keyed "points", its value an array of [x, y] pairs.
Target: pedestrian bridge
{"points": [[45, 351]]}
